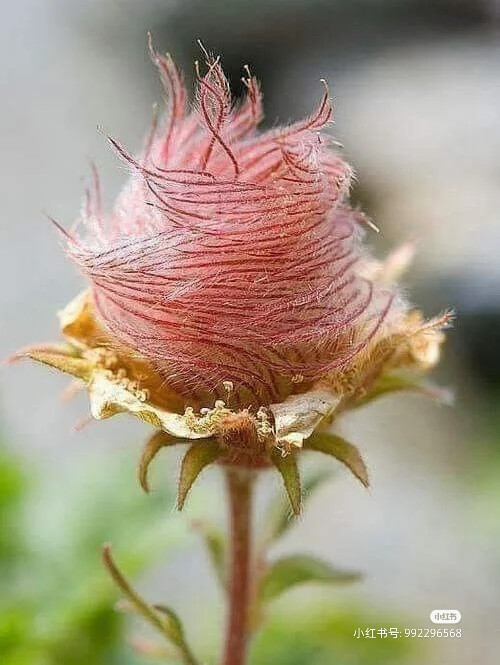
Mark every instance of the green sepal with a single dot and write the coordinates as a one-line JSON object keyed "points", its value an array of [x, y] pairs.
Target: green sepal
{"points": [[279, 511], [63, 357], [398, 382], [199, 455], [151, 448], [343, 451], [287, 466]]}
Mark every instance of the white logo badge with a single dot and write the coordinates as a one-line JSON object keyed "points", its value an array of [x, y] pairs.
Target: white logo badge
{"points": [[445, 616]]}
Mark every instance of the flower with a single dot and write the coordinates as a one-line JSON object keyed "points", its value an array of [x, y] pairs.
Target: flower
{"points": [[231, 254], [231, 300]]}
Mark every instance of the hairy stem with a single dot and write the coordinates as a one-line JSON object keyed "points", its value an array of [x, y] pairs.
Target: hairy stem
{"points": [[239, 486]]}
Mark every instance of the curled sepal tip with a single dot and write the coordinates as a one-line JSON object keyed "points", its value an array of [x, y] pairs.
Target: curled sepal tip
{"points": [[195, 460], [343, 451], [287, 466], [151, 448]]}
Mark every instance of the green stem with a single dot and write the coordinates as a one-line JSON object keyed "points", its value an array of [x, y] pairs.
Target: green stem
{"points": [[239, 489], [149, 613]]}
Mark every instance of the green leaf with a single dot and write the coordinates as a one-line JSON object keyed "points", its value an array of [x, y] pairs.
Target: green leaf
{"points": [[195, 460], [175, 630], [215, 543], [173, 625], [279, 511], [287, 466], [290, 571], [342, 450], [151, 448]]}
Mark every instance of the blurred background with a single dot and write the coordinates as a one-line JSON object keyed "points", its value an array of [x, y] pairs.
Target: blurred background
{"points": [[417, 97]]}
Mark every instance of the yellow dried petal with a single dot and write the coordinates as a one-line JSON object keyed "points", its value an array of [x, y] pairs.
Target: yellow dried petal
{"points": [[78, 323], [108, 397], [299, 415]]}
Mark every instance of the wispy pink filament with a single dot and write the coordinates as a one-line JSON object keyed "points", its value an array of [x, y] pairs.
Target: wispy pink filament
{"points": [[232, 254]]}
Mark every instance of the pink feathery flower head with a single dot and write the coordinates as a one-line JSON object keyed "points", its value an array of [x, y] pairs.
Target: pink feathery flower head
{"points": [[232, 253]]}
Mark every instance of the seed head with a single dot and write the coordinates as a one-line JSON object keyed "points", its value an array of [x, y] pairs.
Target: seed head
{"points": [[232, 254]]}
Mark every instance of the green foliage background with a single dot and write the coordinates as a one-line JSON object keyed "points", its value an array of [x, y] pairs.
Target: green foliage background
{"points": [[57, 603]]}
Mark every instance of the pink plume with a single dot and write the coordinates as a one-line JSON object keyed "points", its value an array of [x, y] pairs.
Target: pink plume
{"points": [[232, 254]]}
